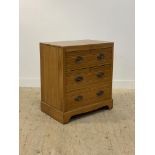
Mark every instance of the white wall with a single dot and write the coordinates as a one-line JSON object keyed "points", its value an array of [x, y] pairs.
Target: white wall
{"points": [[55, 20]]}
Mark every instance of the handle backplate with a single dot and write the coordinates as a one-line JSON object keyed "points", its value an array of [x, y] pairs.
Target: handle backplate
{"points": [[100, 74], [100, 56], [100, 93], [78, 78], [78, 98], [78, 59]]}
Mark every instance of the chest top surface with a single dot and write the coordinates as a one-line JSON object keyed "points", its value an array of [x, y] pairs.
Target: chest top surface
{"points": [[76, 43]]}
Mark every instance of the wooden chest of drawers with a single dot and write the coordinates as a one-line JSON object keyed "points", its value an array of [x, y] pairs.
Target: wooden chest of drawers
{"points": [[76, 77]]}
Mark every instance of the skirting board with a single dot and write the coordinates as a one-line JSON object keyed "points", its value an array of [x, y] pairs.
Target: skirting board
{"points": [[35, 82]]}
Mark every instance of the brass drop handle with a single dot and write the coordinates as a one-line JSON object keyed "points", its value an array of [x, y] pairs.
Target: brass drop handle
{"points": [[100, 74], [78, 98], [100, 93], [78, 78], [78, 59], [100, 56]]}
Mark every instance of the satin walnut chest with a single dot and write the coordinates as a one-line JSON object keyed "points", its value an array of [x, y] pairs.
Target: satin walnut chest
{"points": [[76, 77]]}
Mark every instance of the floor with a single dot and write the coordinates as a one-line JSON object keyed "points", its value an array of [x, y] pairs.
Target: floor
{"points": [[103, 132]]}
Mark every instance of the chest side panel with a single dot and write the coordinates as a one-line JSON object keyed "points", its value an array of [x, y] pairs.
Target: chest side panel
{"points": [[51, 76]]}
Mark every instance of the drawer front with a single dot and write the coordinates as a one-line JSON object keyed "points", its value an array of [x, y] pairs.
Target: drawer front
{"points": [[77, 60], [78, 98], [101, 93], [101, 74], [88, 58], [81, 78], [77, 79], [101, 56]]}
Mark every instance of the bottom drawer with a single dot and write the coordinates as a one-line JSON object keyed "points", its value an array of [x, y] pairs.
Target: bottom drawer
{"points": [[78, 98]]}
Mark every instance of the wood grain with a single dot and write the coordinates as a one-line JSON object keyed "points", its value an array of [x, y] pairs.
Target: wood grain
{"points": [[99, 74], [89, 96], [88, 58], [76, 43], [52, 76], [73, 71]]}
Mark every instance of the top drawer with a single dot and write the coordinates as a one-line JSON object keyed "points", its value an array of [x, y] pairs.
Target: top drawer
{"points": [[88, 58]]}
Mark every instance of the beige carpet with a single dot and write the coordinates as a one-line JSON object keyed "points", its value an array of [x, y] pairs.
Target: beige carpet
{"points": [[103, 132]]}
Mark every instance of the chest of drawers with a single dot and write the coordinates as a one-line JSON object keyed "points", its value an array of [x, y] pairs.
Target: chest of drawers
{"points": [[76, 77]]}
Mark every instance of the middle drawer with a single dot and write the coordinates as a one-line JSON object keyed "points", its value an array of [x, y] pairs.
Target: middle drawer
{"points": [[78, 79]]}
